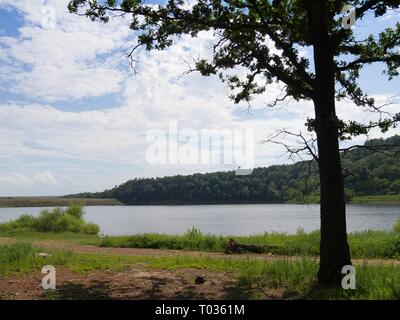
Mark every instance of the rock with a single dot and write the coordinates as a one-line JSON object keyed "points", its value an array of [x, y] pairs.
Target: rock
{"points": [[199, 280], [44, 255]]}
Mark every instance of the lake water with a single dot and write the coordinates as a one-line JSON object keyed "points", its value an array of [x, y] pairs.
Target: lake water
{"points": [[223, 219]]}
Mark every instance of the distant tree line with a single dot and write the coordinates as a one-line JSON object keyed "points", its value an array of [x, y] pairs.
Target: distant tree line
{"points": [[368, 171]]}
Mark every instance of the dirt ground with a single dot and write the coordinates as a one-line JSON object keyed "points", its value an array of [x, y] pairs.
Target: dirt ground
{"points": [[136, 283]]}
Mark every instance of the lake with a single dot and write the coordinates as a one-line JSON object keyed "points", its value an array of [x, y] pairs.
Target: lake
{"points": [[223, 219]]}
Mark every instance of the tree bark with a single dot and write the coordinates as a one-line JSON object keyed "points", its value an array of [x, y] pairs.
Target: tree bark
{"points": [[334, 249]]}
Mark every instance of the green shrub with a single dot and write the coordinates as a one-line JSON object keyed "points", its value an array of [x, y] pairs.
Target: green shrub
{"points": [[26, 221], [46, 221], [76, 211], [55, 220], [68, 223], [91, 228]]}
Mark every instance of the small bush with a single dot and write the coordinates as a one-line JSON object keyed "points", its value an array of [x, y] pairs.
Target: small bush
{"points": [[26, 221], [91, 228], [57, 220], [68, 223], [76, 211], [47, 220]]}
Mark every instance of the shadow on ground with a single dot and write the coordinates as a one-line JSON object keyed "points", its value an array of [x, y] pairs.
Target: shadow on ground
{"points": [[156, 288]]}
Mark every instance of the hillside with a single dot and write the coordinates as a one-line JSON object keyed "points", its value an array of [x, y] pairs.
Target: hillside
{"points": [[368, 173]]}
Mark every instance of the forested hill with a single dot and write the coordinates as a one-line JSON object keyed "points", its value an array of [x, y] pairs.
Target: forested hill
{"points": [[367, 173]]}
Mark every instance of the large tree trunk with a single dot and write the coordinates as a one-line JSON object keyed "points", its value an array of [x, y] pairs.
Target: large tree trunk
{"points": [[334, 249]]}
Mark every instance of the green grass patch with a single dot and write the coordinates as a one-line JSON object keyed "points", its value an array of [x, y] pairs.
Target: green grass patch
{"points": [[78, 238], [367, 244], [379, 199], [22, 257]]}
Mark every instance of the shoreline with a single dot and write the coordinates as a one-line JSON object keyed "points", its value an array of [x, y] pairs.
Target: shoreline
{"points": [[21, 202], [39, 202]]}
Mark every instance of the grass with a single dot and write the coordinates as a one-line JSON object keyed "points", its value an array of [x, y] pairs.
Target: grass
{"points": [[57, 220], [9, 202], [384, 199], [78, 238], [22, 257], [377, 199], [366, 244], [297, 277]]}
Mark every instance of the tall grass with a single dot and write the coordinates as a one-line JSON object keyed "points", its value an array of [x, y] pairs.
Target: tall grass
{"points": [[379, 282], [192, 240], [23, 257], [366, 244], [56, 220]]}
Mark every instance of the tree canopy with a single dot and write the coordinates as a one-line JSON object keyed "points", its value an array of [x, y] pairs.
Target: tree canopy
{"points": [[266, 38]]}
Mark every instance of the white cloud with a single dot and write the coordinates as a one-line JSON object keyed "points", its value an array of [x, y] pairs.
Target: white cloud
{"points": [[65, 62], [14, 178], [18, 178], [45, 178]]}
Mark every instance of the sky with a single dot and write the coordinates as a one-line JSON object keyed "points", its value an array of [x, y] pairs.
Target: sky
{"points": [[75, 116]]}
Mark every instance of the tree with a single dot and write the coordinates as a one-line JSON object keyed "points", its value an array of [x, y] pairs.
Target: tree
{"points": [[265, 38]]}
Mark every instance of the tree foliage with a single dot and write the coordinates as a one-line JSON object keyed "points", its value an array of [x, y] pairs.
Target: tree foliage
{"points": [[266, 38]]}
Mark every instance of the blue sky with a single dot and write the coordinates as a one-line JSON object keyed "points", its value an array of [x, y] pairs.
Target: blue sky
{"points": [[74, 116]]}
